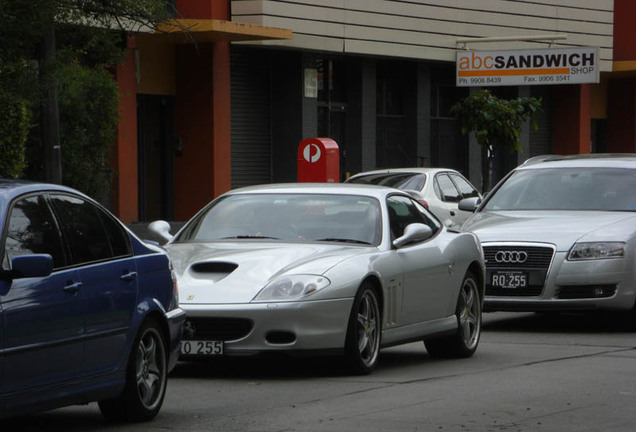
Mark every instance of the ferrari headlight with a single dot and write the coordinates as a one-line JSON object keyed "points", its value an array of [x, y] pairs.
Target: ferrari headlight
{"points": [[291, 288], [597, 250]]}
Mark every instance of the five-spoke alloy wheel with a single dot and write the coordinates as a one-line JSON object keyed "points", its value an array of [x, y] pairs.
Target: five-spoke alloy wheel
{"points": [[146, 379], [363, 333], [468, 312]]}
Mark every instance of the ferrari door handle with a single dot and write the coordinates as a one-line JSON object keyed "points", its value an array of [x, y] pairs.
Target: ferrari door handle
{"points": [[73, 287], [129, 276], [452, 213]]}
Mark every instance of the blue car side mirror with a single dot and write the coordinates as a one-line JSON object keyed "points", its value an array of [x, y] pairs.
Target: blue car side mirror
{"points": [[26, 266]]}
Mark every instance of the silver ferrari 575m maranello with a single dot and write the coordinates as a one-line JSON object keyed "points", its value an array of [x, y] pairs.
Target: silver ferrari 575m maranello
{"points": [[325, 268]]}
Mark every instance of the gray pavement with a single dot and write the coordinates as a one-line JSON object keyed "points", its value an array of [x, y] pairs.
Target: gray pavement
{"points": [[532, 372]]}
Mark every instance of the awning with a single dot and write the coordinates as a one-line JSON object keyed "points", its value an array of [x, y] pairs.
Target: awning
{"points": [[623, 69], [205, 30]]}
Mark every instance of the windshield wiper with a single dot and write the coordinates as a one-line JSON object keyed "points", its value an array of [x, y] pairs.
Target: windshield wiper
{"points": [[343, 240]]}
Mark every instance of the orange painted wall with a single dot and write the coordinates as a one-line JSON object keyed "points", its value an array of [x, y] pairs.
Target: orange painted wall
{"points": [[125, 202], [203, 170], [203, 116], [572, 119], [624, 34], [194, 182], [621, 119], [204, 9], [221, 109]]}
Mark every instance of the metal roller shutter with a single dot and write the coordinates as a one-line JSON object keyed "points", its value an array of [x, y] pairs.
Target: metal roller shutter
{"points": [[251, 137], [541, 139]]}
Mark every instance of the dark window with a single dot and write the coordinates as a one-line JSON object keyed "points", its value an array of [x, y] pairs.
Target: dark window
{"points": [[465, 188], [404, 211], [32, 230], [445, 189], [117, 236], [89, 232]]}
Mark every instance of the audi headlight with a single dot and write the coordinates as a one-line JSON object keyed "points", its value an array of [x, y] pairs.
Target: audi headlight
{"points": [[291, 288], [597, 250]]}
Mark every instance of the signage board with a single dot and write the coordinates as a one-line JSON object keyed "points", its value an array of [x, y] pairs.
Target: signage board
{"points": [[528, 67]]}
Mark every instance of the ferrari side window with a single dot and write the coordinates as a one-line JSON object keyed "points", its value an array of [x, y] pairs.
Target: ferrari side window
{"points": [[404, 211]]}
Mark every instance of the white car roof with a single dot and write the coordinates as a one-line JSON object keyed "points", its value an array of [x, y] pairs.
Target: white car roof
{"points": [[414, 170], [605, 160]]}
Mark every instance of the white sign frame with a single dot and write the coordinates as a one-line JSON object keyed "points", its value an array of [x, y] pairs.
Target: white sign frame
{"points": [[546, 66]]}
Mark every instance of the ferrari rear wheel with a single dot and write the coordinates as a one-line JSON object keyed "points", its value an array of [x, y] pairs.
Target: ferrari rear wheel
{"points": [[362, 346], [468, 312]]}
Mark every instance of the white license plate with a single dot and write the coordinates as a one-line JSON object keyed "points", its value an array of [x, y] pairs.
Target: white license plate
{"points": [[509, 279], [204, 348]]}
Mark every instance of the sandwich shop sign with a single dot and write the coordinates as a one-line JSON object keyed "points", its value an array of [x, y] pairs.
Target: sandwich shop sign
{"points": [[527, 67]]}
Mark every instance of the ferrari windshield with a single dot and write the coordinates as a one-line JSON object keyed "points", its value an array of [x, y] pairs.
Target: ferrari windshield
{"points": [[612, 189], [289, 217]]}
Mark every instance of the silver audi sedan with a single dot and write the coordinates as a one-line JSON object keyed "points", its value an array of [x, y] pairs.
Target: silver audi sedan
{"points": [[325, 268], [559, 233]]}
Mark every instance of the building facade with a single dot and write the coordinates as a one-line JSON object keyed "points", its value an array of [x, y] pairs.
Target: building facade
{"points": [[224, 100]]}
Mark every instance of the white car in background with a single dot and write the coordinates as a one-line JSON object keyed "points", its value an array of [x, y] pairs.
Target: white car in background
{"points": [[438, 189]]}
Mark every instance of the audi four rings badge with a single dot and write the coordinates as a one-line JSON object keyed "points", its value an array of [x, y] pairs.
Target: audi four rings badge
{"points": [[511, 257]]}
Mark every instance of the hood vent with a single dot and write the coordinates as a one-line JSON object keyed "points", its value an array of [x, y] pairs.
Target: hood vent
{"points": [[213, 271]]}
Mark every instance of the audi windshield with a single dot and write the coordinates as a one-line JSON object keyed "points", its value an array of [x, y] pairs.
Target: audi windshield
{"points": [[605, 189]]}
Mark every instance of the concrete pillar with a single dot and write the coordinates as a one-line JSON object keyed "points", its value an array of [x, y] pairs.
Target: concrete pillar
{"points": [[423, 113], [474, 155], [572, 119], [125, 201], [524, 139], [368, 114]]}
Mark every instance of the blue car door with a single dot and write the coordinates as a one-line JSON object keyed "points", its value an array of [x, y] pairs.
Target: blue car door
{"points": [[42, 317], [101, 250]]}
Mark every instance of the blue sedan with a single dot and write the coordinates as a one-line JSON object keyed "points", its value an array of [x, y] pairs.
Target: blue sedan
{"points": [[88, 312]]}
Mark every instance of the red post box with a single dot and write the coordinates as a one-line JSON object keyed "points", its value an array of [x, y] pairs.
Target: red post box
{"points": [[318, 161]]}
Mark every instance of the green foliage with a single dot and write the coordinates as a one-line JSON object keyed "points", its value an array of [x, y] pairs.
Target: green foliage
{"points": [[14, 126], [496, 122], [88, 100], [90, 35]]}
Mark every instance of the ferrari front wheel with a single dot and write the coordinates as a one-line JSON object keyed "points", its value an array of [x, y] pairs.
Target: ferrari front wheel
{"points": [[362, 346]]}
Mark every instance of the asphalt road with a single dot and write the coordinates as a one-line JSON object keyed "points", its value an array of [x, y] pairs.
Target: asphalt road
{"points": [[532, 372]]}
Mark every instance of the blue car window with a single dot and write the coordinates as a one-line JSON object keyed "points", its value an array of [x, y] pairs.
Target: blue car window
{"points": [[83, 228], [117, 237], [32, 230]]}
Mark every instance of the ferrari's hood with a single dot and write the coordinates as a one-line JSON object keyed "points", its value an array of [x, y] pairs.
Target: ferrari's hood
{"points": [[561, 228], [234, 272]]}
